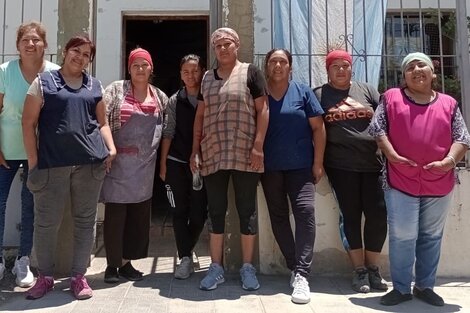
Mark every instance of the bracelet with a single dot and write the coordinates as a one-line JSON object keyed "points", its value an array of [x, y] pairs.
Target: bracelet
{"points": [[452, 159]]}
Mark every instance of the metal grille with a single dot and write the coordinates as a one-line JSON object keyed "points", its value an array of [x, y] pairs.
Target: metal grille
{"points": [[15, 12], [433, 27]]}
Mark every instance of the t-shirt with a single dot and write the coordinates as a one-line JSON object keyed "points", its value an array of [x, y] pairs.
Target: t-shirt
{"points": [[347, 117], [14, 87], [288, 143]]}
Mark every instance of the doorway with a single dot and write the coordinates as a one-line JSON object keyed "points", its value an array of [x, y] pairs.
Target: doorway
{"points": [[168, 39]]}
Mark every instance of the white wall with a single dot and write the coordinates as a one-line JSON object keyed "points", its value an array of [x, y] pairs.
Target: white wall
{"points": [[109, 33]]}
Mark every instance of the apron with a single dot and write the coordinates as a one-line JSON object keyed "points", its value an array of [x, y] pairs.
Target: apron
{"points": [[132, 171]]}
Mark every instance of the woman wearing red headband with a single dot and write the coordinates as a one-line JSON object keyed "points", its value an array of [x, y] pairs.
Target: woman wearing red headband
{"points": [[353, 164], [135, 114]]}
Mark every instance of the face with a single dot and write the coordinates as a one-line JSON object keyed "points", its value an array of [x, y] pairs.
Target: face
{"points": [[340, 73], [31, 45], [140, 70], [191, 74], [225, 50], [278, 67], [77, 58], [418, 75]]}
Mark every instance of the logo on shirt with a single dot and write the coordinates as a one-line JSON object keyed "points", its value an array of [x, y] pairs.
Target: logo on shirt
{"points": [[348, 109]]}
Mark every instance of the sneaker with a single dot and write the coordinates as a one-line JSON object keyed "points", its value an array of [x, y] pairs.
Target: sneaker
{"points": [[248, 277], [292, 279], [375, 279], [429, 296], [301, 293], [185, 268], [43, 285], [130, 273], [111, 275], [395, 297], [2, 270], [80, 288], [214, 277], [360, 281], [24, 277]]}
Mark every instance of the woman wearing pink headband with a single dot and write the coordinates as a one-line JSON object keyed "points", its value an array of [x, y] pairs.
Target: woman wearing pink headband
{"points": [[135, 113], [353, 165]]}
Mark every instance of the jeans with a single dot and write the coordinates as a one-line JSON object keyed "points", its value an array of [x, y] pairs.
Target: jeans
{"points": [[297, 185], [52, 189], [27, 205], [416, 225]]}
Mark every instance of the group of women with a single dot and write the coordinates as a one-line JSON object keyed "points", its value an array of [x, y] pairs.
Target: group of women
{"points": [[91, 144]]}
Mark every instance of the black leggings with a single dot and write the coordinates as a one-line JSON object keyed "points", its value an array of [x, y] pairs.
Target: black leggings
{"points": [[358, 193], [244, 185]]}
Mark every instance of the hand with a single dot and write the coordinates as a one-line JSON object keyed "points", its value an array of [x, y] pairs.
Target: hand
{"points": [[195, 161], [443, 165], [318, 172], [109, 159], [2, 161], [395, 158], [163, 170], [256, 158]]}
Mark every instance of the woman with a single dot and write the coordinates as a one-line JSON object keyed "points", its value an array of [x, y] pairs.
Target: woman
{"points": [[293, 160], [353, 164], [229, 129], [135, 114], [189, 204], [423, 136], [15, 78], [68, 156]]}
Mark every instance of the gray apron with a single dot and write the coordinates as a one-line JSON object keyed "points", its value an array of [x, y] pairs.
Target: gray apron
{"points": [[132, 171]]}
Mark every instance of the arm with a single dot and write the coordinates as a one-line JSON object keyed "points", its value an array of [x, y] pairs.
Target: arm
{"points": [[262, 119], [169, 126], [29, 121], [197, 134], [2, 158], [319, 142], [105, 133], [392, 156]]}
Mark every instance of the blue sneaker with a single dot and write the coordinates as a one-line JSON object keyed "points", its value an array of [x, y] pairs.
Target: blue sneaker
{"points": [[214, 276], [248, 277]]}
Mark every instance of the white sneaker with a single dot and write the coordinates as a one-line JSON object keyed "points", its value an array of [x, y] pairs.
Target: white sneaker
{"points": [[2, 270], [24, 277], [185, 268], [301, 293]]}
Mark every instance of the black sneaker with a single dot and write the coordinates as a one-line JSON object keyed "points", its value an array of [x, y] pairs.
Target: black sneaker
{"points": [[111, 275], [129, 272], [429, 296], [395, 297], [375, 279]]}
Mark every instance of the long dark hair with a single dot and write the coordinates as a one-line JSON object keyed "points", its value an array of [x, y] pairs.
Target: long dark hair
{"points": [[270, 53]]}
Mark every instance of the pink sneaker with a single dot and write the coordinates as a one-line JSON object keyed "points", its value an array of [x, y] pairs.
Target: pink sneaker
{"points": [[80, 288], [43, 285]]}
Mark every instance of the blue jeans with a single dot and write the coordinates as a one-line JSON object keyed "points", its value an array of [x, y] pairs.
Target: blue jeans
{"points": [[27, 205], [416, 225]]}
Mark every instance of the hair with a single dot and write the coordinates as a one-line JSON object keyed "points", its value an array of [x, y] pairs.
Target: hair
{"points": [[25, 27], [79, 40], [271, 52], [192, 57]]}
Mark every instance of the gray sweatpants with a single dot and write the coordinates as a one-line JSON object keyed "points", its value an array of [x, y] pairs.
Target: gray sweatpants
{"points": [[51, 189]]}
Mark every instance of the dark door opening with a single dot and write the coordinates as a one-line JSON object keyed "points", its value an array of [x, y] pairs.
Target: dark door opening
{"points": [[168, 39]]}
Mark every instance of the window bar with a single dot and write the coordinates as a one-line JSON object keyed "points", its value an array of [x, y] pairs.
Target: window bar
{"points": [[290, 26], [309, 31], [421, 27], [326, 28], [384, 47], [4, 29], [365, 38], [346, 27], [441, 58]]}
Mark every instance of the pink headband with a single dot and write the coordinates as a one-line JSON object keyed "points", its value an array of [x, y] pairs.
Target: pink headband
{"points": [[337, 54], [225, 33], [139, 53]]}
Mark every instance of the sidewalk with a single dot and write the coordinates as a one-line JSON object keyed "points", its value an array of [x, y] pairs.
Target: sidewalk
{"points": [[160, 292]]}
